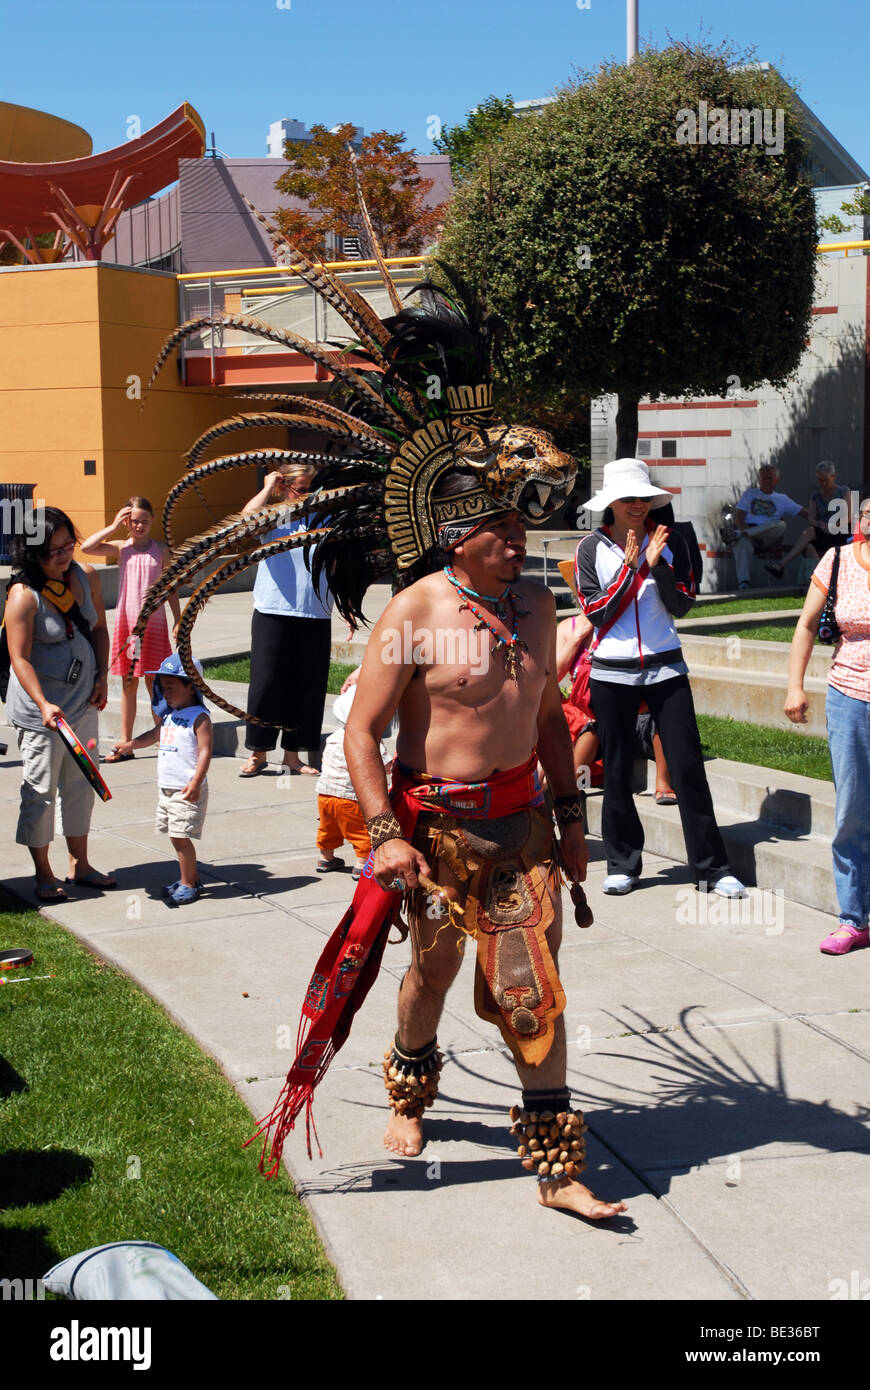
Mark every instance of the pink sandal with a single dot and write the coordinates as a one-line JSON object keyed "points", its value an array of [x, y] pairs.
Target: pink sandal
{"points": [[838, 945]]}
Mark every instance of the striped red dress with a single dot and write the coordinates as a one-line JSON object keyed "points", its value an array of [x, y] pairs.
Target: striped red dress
{"points": [[139, 569]]}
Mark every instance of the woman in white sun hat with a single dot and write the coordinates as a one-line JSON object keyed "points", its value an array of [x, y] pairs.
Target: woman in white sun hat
{"points": [[633, 579]]}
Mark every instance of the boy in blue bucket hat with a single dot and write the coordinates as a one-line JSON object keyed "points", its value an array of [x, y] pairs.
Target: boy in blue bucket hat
{"points": [[185, 735]]}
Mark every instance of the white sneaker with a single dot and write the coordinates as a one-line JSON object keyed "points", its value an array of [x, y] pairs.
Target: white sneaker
{"points": [[619, 883], [729, 887]]}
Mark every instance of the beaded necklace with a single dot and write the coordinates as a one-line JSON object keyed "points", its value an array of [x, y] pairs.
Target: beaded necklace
{"points": [[511, 647]]}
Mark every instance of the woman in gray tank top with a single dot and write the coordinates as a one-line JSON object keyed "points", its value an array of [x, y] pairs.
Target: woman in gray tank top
{"points": [[56, 669]]}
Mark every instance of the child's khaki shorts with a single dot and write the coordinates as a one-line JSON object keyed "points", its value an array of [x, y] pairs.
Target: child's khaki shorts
{"points": [[175, 816]]}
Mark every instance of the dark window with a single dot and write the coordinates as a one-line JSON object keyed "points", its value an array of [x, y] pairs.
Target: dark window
{"points": [[669, 448]]}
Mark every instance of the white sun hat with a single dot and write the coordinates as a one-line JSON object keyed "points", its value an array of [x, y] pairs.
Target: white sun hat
{"points": [[626, 478], [341, 708]]}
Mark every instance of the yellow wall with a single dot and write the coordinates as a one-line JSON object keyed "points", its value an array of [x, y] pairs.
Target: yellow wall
{"points": [[71, 339], [34, 137]]}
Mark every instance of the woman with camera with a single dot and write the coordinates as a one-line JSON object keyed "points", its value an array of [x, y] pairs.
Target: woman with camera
{"points": [[837, 609], [59, 654]]}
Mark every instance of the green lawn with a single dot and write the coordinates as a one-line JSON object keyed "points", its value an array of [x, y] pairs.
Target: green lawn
{"points": [[776, 748], [776, 602], [217, 670], [117, 1127], [782, 630]]}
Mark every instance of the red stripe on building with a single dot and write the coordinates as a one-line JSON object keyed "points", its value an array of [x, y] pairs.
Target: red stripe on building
{"points": [[677, 463], [698, 405], [684, 434], [826, 309]]}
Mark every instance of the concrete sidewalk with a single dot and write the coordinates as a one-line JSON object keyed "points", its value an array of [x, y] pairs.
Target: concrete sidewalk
{"points": [[719, 1057]]}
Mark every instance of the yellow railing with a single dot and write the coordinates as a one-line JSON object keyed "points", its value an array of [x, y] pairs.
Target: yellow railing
{"points": [[844, 246], [288, 270]]}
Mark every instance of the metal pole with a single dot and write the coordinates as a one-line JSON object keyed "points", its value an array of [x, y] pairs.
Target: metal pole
{"points": [[630, 30], [211, 334], [181, 319], [545, 543]]}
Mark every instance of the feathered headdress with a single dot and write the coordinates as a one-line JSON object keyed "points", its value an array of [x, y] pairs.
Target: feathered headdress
{"points": [[418, 411]]}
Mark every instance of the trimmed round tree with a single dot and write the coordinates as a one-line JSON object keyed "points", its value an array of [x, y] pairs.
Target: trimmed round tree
{"points": [[651, 233]]}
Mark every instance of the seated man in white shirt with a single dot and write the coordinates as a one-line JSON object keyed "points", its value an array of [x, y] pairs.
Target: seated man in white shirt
{"points": [[759, 519]]}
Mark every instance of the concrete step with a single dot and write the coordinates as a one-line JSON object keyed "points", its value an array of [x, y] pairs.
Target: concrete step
{"points": [[755, 697], [762, 855], [736, 656], [799, 805]]}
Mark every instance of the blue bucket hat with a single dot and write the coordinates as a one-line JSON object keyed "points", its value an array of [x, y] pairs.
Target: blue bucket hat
{"points": [[171, 666]]}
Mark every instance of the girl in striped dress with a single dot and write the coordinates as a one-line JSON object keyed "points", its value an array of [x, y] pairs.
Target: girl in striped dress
{"points": [[141, 561]]}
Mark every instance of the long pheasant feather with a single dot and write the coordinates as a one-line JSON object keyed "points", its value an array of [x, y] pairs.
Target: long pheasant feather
{"points": [[252, 458], [214, 581], [357, 314], [295, 342], [356, 439], [370, 233]]}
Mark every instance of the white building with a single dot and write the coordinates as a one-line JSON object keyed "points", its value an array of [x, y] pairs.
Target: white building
{"points": [[295, 130]]}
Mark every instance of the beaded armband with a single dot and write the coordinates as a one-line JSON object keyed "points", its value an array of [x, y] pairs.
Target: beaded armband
{"points": [[382, 828]]}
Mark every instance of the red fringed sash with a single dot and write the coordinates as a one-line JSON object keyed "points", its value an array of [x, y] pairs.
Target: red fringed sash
{"points": [[350, 961]]}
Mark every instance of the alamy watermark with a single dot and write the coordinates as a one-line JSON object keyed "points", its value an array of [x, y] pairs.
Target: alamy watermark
{"points": [[759, 908], [20, 517], [445, 646], [21, 1290], [735, 126]]}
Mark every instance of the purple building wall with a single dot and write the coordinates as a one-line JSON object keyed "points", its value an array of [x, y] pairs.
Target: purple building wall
{"points": [[201, 223]]}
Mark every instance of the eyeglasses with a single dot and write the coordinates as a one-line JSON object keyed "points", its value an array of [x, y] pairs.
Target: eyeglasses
{"points": [[61, 550], [629, 500]]}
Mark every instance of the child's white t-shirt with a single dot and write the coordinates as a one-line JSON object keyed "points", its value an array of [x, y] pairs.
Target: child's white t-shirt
{"points": [[179, 750]]}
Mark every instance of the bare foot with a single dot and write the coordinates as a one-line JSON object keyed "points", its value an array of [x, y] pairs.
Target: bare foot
{"points": [[568, 1195], [299, 766], [404, 1136]]}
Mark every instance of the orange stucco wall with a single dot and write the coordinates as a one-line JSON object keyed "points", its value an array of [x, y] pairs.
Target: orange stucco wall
{"points": [[73, 341]]}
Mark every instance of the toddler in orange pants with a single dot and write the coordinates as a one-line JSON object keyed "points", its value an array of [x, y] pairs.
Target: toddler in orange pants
{"points": [[340, 816]]}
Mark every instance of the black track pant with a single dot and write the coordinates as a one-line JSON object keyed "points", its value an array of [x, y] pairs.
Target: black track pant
{"points": [[673, 710], [289, 672]]}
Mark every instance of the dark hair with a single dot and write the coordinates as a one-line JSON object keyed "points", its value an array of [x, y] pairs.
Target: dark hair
{"points": [[141, 502], [26, 553], [608, 517]]}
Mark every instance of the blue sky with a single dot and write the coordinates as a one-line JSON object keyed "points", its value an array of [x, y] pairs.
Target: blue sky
{"points": [[387, 64]]}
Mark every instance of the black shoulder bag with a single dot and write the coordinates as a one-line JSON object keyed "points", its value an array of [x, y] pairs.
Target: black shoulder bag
{"points": [[829, 633]]}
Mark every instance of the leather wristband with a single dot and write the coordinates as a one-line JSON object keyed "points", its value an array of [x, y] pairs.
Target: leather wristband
{"points": [[569, 809], [382, 828]]}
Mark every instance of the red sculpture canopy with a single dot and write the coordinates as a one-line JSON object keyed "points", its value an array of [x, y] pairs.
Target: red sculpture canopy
{"points": [[85, 197]]}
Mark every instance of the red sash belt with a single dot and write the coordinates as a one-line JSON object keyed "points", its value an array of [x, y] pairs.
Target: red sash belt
{"points": [[349, 963]]}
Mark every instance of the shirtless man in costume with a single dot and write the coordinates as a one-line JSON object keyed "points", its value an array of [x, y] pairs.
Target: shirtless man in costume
{"points": [[472, 719]]}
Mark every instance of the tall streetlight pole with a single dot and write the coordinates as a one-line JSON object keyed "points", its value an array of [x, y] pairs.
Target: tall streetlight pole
{"points": [[630, 30]]}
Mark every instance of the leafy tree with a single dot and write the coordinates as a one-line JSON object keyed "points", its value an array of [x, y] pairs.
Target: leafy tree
{"points": [[484, 126], [321, 173], [627, 260], [859, 206]]}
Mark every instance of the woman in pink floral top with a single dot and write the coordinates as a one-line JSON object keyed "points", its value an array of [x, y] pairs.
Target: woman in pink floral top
{"points": [[847, 712]]}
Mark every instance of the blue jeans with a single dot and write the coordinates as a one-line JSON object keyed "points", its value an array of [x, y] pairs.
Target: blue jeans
{"points": [[848, 721]]}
